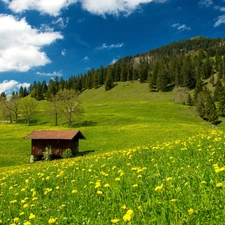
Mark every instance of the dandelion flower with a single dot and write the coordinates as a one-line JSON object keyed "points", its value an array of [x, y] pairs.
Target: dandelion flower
{"points": [[106, 185], [32, 216], [135, 185], [191, 211], [124, 207], [127, 217], [22, 213], [130, 212], [117, 179], [16, 220], [168, 178], [219, 185], [158, 188], [99, 192], [25, 205], [27, 223], [115, 220], [51, 220], [74, 191]]}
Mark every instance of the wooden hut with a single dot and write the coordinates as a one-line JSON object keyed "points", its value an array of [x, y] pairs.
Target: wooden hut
{"points": [[57, 140]]}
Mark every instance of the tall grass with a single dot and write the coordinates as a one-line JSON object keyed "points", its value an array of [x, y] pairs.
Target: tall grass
{"points": [[177, 182]]}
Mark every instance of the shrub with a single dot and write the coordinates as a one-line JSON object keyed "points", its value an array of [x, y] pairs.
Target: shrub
{"points": [[47, 154], [67, 153]]}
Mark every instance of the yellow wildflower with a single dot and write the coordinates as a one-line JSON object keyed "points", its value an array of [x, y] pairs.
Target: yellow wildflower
{"points": [[16, 220], [99, 192], [115, 220], [27, 223], [219, 185], [124, 207], [52, 220], [127, 217], [158, 188], [135, 185], [191, 211], [106, 185], [168, 178], [74, 191], [32, 216]]}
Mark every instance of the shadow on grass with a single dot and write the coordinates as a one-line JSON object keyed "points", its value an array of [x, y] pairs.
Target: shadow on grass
{"points": [[86, 124], [54, 157], [83, 153]]}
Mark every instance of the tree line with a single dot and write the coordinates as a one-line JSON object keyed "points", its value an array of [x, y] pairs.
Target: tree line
{"points": [[187, 64], [65, 104]]}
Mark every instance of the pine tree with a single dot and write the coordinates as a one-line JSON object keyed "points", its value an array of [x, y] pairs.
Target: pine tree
{"points": [[211, 114], [109, 81], [200, 105], [162, 78], [218, 91], [198, 88]]}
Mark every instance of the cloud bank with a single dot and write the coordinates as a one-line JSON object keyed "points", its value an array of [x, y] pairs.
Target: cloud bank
{"points": [[20, 45], [54, 74], [8, 86], [98, 7]]}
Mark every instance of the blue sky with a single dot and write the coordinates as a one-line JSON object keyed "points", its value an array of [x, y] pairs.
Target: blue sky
{"points": [[41, 39]]}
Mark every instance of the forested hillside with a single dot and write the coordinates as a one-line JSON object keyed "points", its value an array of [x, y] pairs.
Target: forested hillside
{"points": [[194, 68]]}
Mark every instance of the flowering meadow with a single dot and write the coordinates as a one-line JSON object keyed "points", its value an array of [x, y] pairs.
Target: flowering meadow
{"points": [[179, 182]]}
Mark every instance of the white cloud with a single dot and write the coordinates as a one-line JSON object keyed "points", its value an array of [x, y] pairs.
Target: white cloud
{"points": [[99, 7], [114, 7], [220, 8], [113, 61], [63, 52], [51, 7], [181, 27], [81, 20], [8, 86], [56, 74], [61, 22], [20, 45], [86, 58], [105, 46], [220, 20], [205, 3]]}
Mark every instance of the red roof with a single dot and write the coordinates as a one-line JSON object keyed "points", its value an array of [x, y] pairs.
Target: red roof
{"points": [[55, 134]]}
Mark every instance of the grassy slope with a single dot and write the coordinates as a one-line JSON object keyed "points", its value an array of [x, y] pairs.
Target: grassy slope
{"points": [[126, 116]]}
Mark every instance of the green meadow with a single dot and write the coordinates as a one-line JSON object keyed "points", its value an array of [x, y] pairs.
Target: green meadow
{"points": [[151, 161], [124, 117]]}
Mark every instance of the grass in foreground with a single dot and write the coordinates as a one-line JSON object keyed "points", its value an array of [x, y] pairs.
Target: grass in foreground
{"points": [[171, 183]]}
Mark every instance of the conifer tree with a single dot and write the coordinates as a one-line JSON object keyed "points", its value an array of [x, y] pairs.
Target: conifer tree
{"points": [[109, 81], [218, 91]]}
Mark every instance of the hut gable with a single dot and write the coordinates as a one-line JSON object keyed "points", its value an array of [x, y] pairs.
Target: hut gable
{"points": [[57, 140]]}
